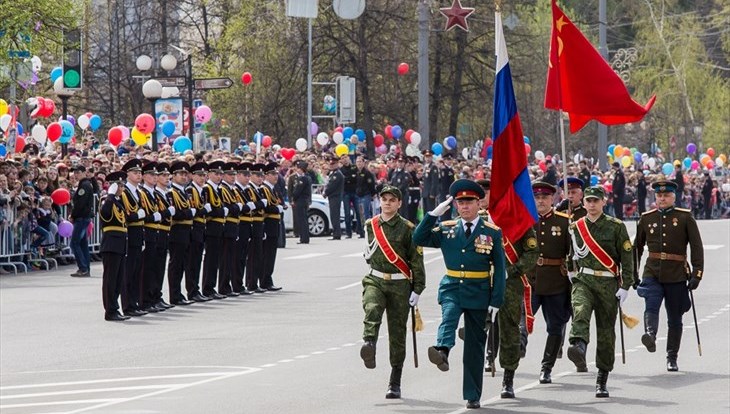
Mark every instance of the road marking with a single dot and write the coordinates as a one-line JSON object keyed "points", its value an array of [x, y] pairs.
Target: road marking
{"points": [[349, 344], [349, 286], [712, 246], [317, 352], [334, 348], [73, 402], [301, 356], [267, 366], [305, 256], [107, 380], [284, 361], [89, 390], [358, 254]]}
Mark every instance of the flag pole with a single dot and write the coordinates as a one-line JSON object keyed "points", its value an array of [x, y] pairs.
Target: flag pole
{"points": [[565, 165]]}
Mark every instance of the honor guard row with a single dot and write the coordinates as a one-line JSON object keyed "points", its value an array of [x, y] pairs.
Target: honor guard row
{"points": [[230, 211]]}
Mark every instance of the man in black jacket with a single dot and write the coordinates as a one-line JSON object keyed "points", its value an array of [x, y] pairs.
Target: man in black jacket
{"points": [[350, 197], [334, 191], [365, 188], [619, 191], [301, 199], [430, 181], [679, 180], [81, 214]]}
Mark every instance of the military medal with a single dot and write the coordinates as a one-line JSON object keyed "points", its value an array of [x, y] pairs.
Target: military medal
{"points": [[675, 221]]}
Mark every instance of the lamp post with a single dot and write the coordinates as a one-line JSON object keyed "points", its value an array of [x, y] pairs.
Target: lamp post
{"points": [[698, 133], [152, 90], [64, 95]]}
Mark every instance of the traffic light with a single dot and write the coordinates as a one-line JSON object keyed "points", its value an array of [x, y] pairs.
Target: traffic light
{"points": [[72, 61]]}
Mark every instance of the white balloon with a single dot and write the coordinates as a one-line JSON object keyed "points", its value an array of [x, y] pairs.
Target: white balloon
{"points": [[38, 133], [411, 151], [5, 121], [719, 162], [651, 162], [83, 122], [465, 153], [36, 64], [644, 157], [539, 155], [323, 138], [337, 137], [415, 139], [301, 144], [276, 147]]}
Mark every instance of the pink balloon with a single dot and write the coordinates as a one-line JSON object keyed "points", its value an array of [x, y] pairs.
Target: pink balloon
{"points": [[382, 149], [203, 114], [695, 165]]}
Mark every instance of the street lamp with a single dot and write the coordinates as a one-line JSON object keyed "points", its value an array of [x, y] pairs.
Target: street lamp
{"points": [[698, 133], [152, 90], [64, 95]]}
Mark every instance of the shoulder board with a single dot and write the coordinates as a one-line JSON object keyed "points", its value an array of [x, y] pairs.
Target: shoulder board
{"points": [[408, 223], [561, 214], [449, 223], [650, 211], [368, 221], [684, 210], [490, 225], [615, 220]]}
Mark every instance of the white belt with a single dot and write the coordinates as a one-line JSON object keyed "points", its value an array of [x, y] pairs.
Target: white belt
{"points": [[594, 272], [387, 276]]}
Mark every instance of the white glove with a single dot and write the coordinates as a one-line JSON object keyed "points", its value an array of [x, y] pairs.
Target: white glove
{"points": [[571, 275], [141, 214], [207, 207], [225, 211], [265, 201], [171, 209], [240, 206], [251, 205], [441, 208], [157, 217], [113, 189], [281, 209], [193, 211], [413, 300], [493, 311], [622, 294]]}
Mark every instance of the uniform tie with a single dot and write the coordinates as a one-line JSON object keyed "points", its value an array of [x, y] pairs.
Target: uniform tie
{"points": [[468, 229]]}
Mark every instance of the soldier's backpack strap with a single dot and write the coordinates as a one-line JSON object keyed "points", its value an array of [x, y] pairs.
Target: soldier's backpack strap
{"points": [[595, 248], [387, 249]]}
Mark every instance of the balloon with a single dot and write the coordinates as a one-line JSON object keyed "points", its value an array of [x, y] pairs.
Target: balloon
{"points": [[145, 123], [246, 78], [637, 157], [347, 132], [3, 107], [69, 118], [687, 162], [288, 153], [381, 149], [626, 161], [360, 135], [450, 142], [667, 168], [115, 135], [378, 140], [676, 163], [594, 180], [723, 157], [203, 114], [403, 68], [651, 162], [408, 135], [313, 128], [626, 152], [266, 142], [490, 150], [412, 151], [139, 137], [126, 133], [67, 129], [301, 144], [415, 139], [5, 121], [19, 128], [48, 108], [542, 165], [168, 128], [711, 152], [488, 142], [611, 148], [397, 131], [618, 151], [526, 139], [94, 122], [389, 131], [437, 148], [710, 165], [56, 73], [338, 129], [54, 131], [39, 134], [182, 144], [644, 157], [337, 137], [528, 149], [276, 147], [719, 162], [539, 155], [257, 137], [695, 165], [83, 122], [19, 144], [65, 229], [3, 150], [691, 148], [323, 138], [341, 149], [61, 196], [704, 158]]}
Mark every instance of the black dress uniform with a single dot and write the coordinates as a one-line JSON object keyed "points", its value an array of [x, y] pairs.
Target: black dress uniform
{"points": [[163, 238], [214, 223], [446, 178], [229, 253], [182, 224], [334, 191], [430, 182], [113, 249], [148, 276], [255, 262], [575, 212], [272, 216], [401, 179], [245, 222], [194, 260], [134, 216], [667, 233], [301, 196], [414, 194]]}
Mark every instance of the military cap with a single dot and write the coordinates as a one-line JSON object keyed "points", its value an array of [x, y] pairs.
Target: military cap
{"points": [[258, 168], [485, 184], [466, 189], [216, 166], [132, 165], [162, 168], [179, 166], [78, 167], [448, 157], [245, 167], [230, 168], [541, 187], [389, 189], [594, 192], [334, 160], [573, 182], [150, 167], [116, 176], [272, 166], [616, 164], [427, 153], [302, 164], [664, 186], [199, 168]]}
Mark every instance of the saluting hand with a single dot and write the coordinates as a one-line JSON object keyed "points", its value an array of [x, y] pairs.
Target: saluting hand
{"points": [[441, 208]]}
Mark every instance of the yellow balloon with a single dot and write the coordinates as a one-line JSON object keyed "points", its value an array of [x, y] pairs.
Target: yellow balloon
{"points": [[139, 137], [626, 161], [618, 151], [723, 157], [341, 149], [677, 163], [3, 107]]}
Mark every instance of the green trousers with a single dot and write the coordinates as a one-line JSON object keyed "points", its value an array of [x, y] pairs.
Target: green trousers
{"points": [[389, 296], [596, 294], [509, 316]]}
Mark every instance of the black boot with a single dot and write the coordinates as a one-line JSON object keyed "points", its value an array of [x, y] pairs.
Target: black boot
{"points": [[367, 353], [552, 345], [577, 354], [394, 384], [439, 356], [674, 338], [507, 380], [601, 390], [651, 325]]}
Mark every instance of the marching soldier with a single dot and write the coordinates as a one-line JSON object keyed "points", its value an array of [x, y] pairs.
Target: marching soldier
{"points": [[163, 234], [272, 217], [395, 282], [180, 230], [113, 246], [430, 181], [401, 179], [602, 249], [667, 231], [549, 281], [245, 223], [215, 220], [254, 265], [573, 203], [134, 217], [232, 206], [148, 201], [196, 196], [471, 246]]}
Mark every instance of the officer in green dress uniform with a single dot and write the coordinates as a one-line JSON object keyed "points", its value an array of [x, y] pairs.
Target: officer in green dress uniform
{"points": [[573, 203], [666, 231], [603, 252], [394, 283], [113, 246], [471, 246]]}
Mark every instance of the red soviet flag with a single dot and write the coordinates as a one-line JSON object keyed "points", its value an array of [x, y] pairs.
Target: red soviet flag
{"points": [[581, 82]]}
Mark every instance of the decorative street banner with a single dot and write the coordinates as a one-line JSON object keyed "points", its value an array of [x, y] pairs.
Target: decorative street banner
{"points": [[170, 109]]}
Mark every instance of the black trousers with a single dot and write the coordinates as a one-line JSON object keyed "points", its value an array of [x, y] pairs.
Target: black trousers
{"points": [[111, 280], [210, 265], [271, 229], [229, 256], [130, 288], [335, 209], [239, 271], [148, 275], [162, 248], [176, 267], [255, 259], [618, 208], [193, 261], [300, 212]]}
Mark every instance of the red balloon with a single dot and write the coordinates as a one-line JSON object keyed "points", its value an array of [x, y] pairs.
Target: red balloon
{"points": [[378, 140], [710, 165], [115, 136], [19, 144], [49, 109], [246, 78], [338, 129], [54, 131], [488, 142], [528, 149], [542, 165], [389, 131], [145, 123], [711, 152], [403, 68], [61, 197], [408, 135], [627, 152], [266, 141], [288, 153]]}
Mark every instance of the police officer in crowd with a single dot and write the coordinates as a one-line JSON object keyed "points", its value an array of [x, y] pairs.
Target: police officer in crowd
{"points": [[334, 191], [365, 188], [349, 199], [430, 181], [113, 246], [82, 212], [302, 198], [401, 179]]}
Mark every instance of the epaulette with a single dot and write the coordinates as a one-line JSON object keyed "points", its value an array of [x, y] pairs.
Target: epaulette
{"points": [[561, 214], [685, 210], [615, 220], [650, 211], [490, 225], [410, 225], [367, 222], [449, 223]]}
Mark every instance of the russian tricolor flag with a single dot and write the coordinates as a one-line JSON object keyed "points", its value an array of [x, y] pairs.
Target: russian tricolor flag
{"points": [[511, 203]]}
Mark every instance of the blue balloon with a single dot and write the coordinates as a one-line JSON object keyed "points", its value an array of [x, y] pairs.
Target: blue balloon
{"points": [[67, 130], [687, 162], [637, 156], [56, 73], [397, 131], [594, 180], [360, 135], [451, 141], [437, 148], [610, 149], [3, 150], [182, 144], [489, 152], [168, 128], [667, 168], [347, 132], [64, 139], [19, 128], [95, 122], [257, 137], [526, 139]]}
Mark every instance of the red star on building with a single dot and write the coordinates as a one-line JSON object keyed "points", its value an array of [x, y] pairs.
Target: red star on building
{"points": [[456, 15]]}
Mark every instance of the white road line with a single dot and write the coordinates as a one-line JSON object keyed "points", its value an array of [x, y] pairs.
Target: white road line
{"points": [[713, 246], [348, 286], [284, 361], [267, 366], [89, 390], [107, 380], [305, 256], [358, 254], [301, 356], [317, 352], [334, 348], [72, 402], [349, 344]]}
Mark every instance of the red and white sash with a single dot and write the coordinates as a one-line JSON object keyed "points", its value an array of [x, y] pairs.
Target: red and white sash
{"points": [[595, 248], [387, 249]]}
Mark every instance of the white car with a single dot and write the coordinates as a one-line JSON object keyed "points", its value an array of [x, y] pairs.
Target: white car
{"points": [[318, 217]]}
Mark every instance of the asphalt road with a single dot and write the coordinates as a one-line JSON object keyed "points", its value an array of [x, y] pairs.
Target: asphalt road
{"points": [[297, 350]]}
